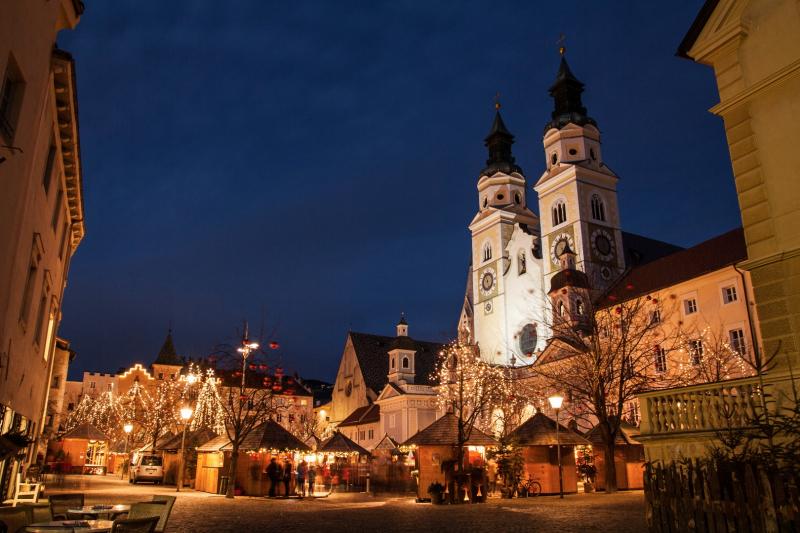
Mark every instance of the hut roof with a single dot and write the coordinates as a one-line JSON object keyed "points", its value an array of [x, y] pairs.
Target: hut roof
{"points": [[160, 441], [313, 442], [625, 436], [193, 439], [445, 432], [338, 443], [268, 436], [386, 443], [86, 431], [540, 430]]}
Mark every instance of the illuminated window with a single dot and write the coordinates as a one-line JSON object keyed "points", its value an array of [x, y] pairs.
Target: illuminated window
{"points": [[738, 343], [696, 351]]}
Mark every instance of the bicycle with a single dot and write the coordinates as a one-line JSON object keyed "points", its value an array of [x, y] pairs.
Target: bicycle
{"points": [[529, 488]]}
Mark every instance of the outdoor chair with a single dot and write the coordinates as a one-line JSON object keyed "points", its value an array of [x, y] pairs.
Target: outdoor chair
{"points": [[61, 503], [14, 519], [167, 501], [135, 525], [158, 510], [26, 492]]}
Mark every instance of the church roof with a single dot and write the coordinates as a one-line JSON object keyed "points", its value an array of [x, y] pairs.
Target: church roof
{"points": [[167, 355], [696, 28], [540, 430], [338, 443], [684, 265], [569, 277], [444, 432], [499, 143], [640, 250], [363, 415], [566, 92], [373, 358]]}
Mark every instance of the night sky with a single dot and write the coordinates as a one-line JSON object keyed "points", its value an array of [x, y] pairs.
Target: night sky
{"points": [[311, 166]]}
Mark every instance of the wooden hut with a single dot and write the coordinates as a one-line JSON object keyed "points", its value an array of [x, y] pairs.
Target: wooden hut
{"points": [[437, 444], [389, 470], [344, 463], [170, 450], [539, 442], [264, 442], [85, 449], [628, 457]]}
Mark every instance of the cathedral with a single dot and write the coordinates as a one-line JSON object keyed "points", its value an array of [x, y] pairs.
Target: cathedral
{"points": [[515, 253]]}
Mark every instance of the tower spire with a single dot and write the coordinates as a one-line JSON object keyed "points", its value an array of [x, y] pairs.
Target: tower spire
{"points": [[499, 143], [566, 92]]}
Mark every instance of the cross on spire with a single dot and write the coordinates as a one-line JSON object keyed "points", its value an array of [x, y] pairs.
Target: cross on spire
{"points": [[497, 105], [562, 44]]}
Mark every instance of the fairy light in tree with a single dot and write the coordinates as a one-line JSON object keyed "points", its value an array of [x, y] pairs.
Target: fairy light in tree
{"points": [[207, 409]]}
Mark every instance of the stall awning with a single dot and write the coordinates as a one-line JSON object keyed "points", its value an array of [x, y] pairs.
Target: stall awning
{"points": [[85, 431], [269, 436], [444, 432], [338, 443], [540, 430]]}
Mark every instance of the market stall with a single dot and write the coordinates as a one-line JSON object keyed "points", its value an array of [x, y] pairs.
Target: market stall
{"points": [[342, 463], [628, 457], [85, 449]]}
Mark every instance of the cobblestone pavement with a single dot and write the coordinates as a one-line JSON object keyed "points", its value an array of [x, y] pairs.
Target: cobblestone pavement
{"points": [[198, 511]]}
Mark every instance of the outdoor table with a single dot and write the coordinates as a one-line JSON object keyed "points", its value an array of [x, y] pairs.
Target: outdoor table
{"points": [[98, 511], [87, 526]]}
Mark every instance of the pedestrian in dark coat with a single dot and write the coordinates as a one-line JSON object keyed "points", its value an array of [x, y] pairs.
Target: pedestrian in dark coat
{"points": [[287, 477], [274, 473]]}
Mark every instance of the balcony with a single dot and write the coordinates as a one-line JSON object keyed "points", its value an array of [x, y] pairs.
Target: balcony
{"points": [[683, 422]]}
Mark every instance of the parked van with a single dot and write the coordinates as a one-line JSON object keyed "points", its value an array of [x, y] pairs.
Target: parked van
{"points": [[147, 468]]}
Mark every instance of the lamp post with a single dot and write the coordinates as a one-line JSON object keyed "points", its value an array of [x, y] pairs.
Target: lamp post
{"points": [[555, 402], [186, 414], [127, 428], [245, 349]]}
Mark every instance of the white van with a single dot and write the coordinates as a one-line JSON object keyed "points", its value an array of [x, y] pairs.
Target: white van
{"points": [[147, 468]]}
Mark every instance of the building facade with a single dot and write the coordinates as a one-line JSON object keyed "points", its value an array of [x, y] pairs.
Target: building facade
{"points": [[41, 208]]}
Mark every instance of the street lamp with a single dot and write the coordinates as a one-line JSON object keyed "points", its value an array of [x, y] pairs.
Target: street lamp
{"points": [[245, 349], [186, 414], [127, 428], [555, 402]]}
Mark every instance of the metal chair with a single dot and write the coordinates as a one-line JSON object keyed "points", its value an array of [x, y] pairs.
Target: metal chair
{"points": [[150, 509], [14, 519], [61, 503], [169, 502], [135, 525]]}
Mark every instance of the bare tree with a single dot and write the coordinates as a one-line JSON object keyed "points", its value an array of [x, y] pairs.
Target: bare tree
{"points": [[469, 388], [604, 355]]}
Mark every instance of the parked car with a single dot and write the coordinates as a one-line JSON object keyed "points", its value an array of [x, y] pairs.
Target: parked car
{"points": [[147, 468]]}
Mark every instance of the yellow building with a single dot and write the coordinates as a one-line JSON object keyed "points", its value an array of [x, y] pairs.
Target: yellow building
{"points": [[41, 208], [754, 49]]}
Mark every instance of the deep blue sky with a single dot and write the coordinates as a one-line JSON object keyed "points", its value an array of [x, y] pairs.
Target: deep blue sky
{"points": [[318, 160]]}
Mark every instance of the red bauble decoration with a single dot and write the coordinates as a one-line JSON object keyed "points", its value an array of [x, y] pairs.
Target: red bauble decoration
{"points": [[274, 345], [612, 297], [618, 310], [629, 286]]}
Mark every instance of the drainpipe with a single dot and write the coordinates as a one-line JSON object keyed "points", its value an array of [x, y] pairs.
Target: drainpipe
{"points": [[753, 339]]}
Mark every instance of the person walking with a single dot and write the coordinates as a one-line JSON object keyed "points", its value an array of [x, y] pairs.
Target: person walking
{"points": [[274, 473], [312, 475], [287, 477], [302, 469]]}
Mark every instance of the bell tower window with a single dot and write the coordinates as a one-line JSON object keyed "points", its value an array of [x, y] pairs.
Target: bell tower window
{"points": [[487, 251], [559, 213], [598, 208], [405, 362]]}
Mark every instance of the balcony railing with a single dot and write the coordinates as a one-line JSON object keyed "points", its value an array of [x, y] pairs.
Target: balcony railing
{"points": [[706, 407]]}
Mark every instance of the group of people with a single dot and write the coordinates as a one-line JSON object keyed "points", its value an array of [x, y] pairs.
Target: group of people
{"points": [[277, 474]]}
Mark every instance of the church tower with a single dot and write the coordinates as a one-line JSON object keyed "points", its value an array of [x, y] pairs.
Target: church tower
{"points": [[577, 192], [401, 356], [507, 295]]}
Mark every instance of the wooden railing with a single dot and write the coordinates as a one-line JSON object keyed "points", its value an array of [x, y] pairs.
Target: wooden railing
{"points": [[706, 407]]}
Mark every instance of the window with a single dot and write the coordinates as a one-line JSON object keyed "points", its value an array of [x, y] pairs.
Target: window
{"points": [[559, 212], [500, 196], [554, 158], [560, 308], [729, 294], [371, 434], [522, 267], [172, 377], [598, 208], [517, 198], [361, 435], [527, 339], [92, 384], [56, 381], [487, 251], [661, 359], [48, 167], [573, 151], [40, 315], [579, 306], [59, 207], [291, 418], [11, 93], [737, 341], [279, 418], [161, 375], [405, 362], [696, 351], [30, 282], [63, 246], [392, 360], [485, 202], [592, 154], [690, 306], [302, 418], [70, 406], [655, 317]]}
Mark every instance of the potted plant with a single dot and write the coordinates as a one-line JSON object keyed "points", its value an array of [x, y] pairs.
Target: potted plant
{"points": [[436, 490]]}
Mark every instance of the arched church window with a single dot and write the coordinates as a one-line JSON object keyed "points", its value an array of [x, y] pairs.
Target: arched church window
{"points": [[485, 202], [392, 358], [405, 362], [527, 339], [560, 308], [517, 198], [598, 208], [579, 306], [487, 251], [554, 158], [559, 212], [521, 262]]}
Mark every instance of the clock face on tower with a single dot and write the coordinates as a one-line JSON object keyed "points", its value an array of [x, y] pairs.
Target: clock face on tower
{"points": [[488, 280], [560, 243], [603, 245]]}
